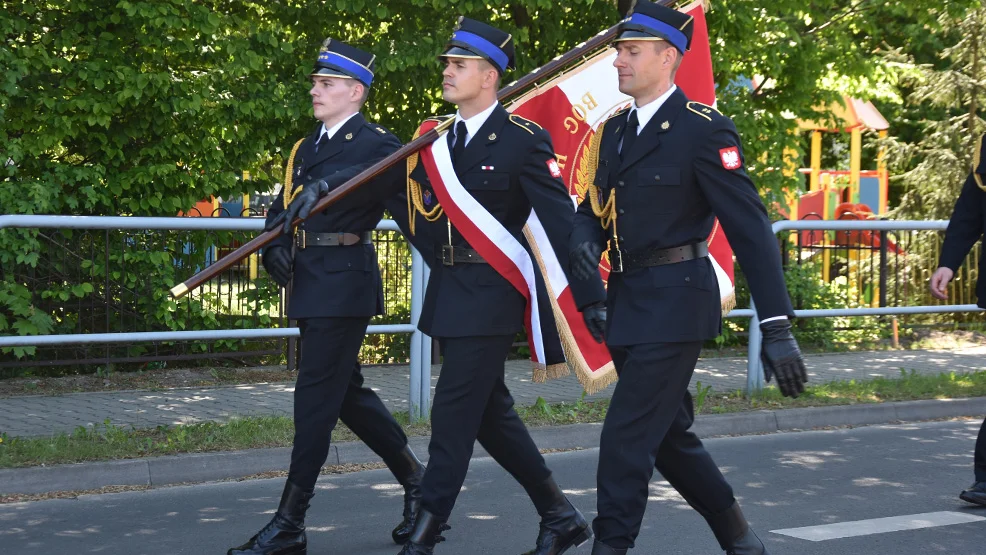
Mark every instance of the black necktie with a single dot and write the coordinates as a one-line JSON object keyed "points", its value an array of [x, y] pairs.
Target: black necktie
{"points": [[459, 141], [323, 138], [629, 134]]}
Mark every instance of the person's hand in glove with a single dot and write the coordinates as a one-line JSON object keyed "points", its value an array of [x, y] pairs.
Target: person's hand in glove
{"points": [[300, 207], [584, 260], [277, 262], [782, 358], [595, 320]]}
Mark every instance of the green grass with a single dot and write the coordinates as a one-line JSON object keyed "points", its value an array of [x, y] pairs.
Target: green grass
{"points": [[107, 441]]}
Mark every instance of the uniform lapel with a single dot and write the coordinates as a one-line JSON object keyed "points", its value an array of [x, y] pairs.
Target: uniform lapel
{"points": [[345, 134], [478, 148], [610, 152], [650, 136]]}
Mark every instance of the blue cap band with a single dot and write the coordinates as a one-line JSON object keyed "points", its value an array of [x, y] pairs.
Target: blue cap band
{"points": [[674, 36], [346, 65], [484, 46]]}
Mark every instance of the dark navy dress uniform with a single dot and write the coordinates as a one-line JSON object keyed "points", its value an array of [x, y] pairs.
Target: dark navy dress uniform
{"points": [[965, 228], [336, 289], [475, 313], [669, 183]]}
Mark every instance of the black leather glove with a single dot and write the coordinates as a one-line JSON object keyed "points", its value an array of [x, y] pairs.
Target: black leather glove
{"points": [[300, 207], [277, 261], [782, 358], [595, 320], [584, 260]]}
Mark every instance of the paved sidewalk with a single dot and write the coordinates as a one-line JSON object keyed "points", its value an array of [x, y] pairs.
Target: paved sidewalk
{"points": [[43, 415]]}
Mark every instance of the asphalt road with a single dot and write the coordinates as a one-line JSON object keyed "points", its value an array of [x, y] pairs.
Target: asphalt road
{"points": [[784, 481]]}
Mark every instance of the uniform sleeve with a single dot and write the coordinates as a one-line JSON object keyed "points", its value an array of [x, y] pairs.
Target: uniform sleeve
{"points": [[587, 226], [965, 227], [553, 205], [735, 201], [421, 238], [275, 209], [378, 189]]}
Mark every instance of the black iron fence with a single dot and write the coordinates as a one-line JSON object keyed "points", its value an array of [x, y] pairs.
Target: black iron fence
{"points": [[84, 281]]}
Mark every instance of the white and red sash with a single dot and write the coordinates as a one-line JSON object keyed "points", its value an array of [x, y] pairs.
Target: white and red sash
{"points": [[507, 255]]}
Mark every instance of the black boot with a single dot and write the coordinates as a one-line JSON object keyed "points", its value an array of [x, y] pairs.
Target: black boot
{"points": [[285, 533], [975, 494], [424, 535], [409, 472], [734, 533], [562, 525], [599, 548]]}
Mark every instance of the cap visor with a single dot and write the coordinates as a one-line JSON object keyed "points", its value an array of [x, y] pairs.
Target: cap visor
{"points": [[633, 34], [331, 72]]}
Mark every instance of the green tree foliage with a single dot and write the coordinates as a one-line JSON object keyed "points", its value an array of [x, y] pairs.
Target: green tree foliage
{"points": [[143, 107], [803, 56], [943, 96]]}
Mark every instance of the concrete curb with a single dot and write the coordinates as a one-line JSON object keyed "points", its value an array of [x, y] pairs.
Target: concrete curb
{"points": [[205, 467]]}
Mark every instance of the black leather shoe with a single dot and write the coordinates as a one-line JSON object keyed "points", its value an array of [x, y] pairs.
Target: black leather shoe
{"points": [[599, 548], [975, 494], [734, 533], [424, 535], [409, 472], [285, 533], [562, 525]]}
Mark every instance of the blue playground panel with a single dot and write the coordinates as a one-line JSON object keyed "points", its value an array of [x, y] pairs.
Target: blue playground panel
{"points": [[869, 193]]}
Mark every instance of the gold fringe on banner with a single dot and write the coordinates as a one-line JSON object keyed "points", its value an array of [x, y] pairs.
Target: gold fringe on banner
{"points": [[592, 381]]}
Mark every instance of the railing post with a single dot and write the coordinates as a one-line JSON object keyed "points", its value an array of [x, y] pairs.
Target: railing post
{"points": [[883, 267], [425, 377], [414, 393], [754, 367]]}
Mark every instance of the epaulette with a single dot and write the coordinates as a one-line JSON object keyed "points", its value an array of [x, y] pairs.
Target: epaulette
{"points": [[618, 113], [523, 123], [378, 128], [703, 110]]}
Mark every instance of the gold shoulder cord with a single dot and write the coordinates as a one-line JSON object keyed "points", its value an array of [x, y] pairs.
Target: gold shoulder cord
{"points": [[289, 192], [415, 203], [606, 212]]}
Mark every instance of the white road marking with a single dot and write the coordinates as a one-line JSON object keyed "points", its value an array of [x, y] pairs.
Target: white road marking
{"points": [[878, 526]]}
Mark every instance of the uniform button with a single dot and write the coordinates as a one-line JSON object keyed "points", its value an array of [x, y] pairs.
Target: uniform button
{"points": [[621, 211], [621, 183], [657, 178], [486, 183], [687, 278], [620, 238]]}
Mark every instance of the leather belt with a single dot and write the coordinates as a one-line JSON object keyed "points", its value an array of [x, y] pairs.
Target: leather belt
{"points": [[623, 261], [451, 255], [305, 239]]}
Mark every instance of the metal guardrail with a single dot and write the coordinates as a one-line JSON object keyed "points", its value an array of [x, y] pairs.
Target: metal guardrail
{"points": [[420, 357], [420, 390], [754, 366]]}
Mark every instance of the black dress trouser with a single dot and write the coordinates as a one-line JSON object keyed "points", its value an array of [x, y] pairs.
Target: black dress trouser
{"points": [[330, 387], [472, 403], [980, 460], [647, 428]]}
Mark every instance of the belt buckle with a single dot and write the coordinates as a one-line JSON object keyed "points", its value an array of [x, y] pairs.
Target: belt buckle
{"points": [[447, 258], [299, 239], [615, 262]]}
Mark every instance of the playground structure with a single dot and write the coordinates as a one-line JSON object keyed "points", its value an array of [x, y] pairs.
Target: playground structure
{"points": [[853, 194], [234, 207]]}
